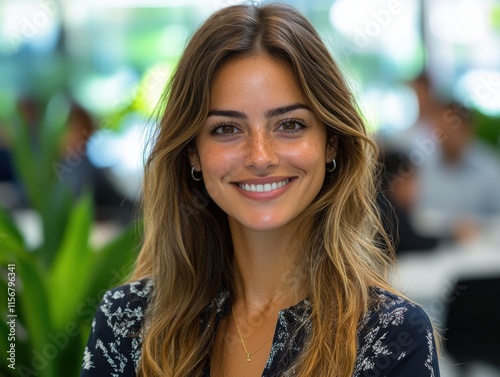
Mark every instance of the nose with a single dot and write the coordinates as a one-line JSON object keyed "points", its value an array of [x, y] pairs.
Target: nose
{"points": [[261, 151]]}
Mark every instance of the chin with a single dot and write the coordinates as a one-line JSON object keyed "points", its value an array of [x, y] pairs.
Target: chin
{"points": [[263, 225]]}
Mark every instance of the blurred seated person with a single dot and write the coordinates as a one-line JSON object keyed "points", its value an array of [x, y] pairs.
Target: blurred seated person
{"points": [[425, 96], [396, 201], [79, 173], [459, 185]]}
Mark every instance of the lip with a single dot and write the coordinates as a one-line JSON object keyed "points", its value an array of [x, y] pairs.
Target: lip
{"points": [[262, 189]]}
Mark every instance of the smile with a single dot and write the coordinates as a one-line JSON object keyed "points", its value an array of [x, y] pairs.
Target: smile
{"points": [[268, 187]]}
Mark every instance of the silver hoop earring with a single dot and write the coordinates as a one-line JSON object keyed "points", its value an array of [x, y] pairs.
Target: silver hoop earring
{"points": [[195, 178], [334, 166]]}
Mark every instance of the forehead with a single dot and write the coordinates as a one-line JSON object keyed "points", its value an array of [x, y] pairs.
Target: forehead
{"points": [[259, 79]]}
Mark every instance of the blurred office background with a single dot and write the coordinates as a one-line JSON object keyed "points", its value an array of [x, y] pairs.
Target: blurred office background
{"points": [[79, 82]]}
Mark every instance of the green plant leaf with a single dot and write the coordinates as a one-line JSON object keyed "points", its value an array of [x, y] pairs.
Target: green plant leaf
{"points": [[25, 160], [55, 214], [7, 104], [8, 226], [34, 313], [114, 261], [11, 240], [52, 134], [70, 272]]}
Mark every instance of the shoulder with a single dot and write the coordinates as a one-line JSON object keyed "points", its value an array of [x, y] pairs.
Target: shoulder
{"points": [[396, 338], [123, 308], [126, 302], [390, 310], [114, 343]]}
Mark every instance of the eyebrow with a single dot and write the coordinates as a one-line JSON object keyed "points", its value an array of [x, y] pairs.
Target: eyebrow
{"points": [[269, 113]]}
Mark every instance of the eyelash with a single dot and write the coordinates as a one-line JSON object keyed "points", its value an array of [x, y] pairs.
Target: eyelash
{"points": [[216, 126], [303, 125]]}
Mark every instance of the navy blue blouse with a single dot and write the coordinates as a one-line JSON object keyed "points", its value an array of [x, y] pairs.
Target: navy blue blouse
{"points": [[395, 337]]}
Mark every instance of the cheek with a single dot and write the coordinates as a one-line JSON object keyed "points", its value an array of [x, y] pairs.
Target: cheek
{"points": [[217, 166], [218, 162], [307, 156]]}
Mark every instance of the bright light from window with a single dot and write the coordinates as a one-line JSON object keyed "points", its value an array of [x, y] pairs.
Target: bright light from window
{"points": [[459, 21], [102, 94], [121, 154], [30, 24], [480, 89], [390, 108], [152, 87], [369, 23]]}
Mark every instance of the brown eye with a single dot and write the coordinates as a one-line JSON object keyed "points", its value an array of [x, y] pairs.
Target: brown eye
{"points": [[226, 129], [291, 126]]}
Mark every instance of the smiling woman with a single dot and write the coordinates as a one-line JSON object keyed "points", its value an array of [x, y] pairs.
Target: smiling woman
{"points": [[262, 252]]}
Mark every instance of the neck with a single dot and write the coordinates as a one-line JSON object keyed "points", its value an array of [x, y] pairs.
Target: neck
{"points": [[263, 264]]}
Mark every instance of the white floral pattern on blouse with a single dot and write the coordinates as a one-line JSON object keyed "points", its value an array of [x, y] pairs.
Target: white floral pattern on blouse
{"points": [[395, 337]]}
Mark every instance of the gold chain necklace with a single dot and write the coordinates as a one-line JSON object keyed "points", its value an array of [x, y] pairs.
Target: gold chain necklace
{"points": [[249, 354]]}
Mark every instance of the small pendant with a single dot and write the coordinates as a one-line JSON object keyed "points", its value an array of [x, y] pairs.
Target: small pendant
{"points": [[248, 358]]}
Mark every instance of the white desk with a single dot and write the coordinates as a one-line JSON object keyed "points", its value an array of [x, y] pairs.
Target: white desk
{"points": [[429, 278]]}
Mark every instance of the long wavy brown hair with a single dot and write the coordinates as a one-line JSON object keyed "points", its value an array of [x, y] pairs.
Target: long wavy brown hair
{"points": [[187, 249]]}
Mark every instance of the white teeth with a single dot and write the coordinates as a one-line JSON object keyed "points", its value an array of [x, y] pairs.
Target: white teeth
{"points": [[263, 188]]}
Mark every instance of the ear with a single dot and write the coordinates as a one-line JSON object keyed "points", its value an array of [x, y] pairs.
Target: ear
{"points": [[331, 148], [193, 158]]}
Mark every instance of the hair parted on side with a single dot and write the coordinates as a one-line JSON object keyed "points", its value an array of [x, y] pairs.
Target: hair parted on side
{"points": [[187, 248]]}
